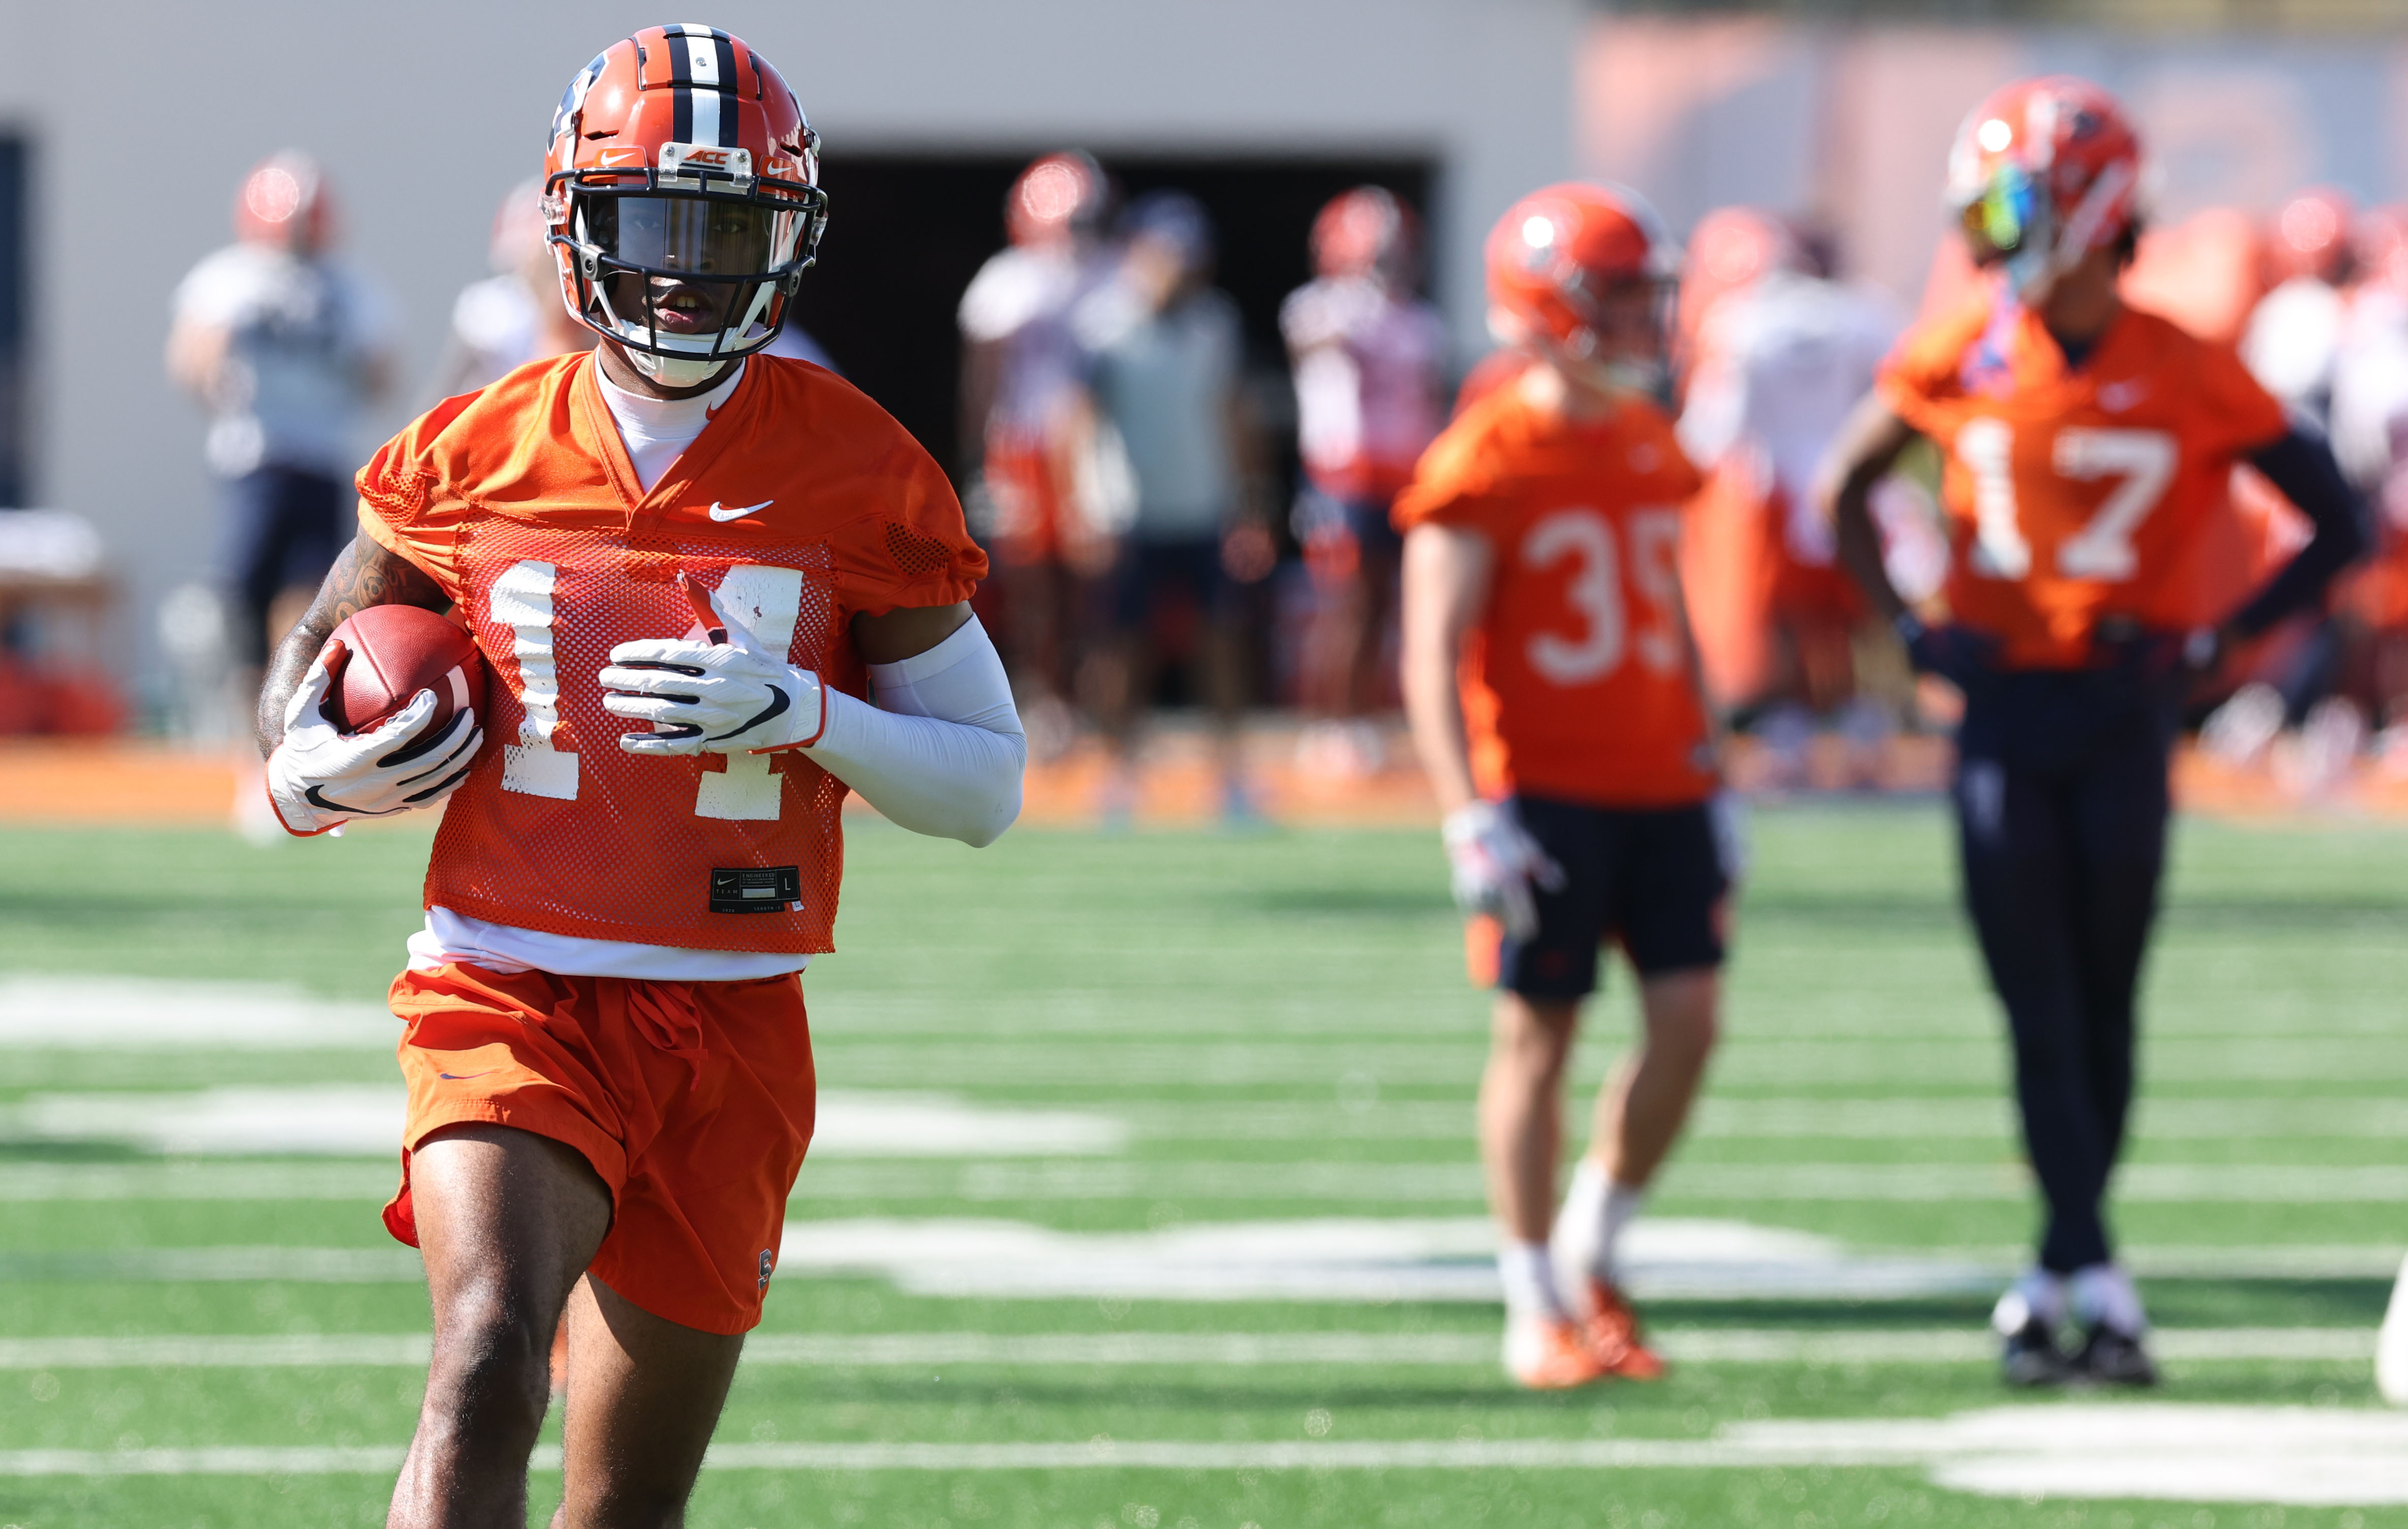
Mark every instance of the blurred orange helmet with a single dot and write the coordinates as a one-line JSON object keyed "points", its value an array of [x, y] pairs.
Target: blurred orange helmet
{"points": [[679, 154], [284, 201], [2310, 236], [1557, 251], [1364, 232], [1060, 198], [2042, 173]]}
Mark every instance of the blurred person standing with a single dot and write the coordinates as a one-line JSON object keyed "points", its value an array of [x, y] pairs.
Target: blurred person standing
{"points": [[515, 315], [1023, 394], [1164, 348], [1551, 682], [1782, 355], [1366, 353], [287, 348], [2293, 346], [2089, 446]]}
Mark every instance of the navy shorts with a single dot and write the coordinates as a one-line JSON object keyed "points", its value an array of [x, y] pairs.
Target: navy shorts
{"points": [[284, 526], [1149, 574], [1653, 879]]}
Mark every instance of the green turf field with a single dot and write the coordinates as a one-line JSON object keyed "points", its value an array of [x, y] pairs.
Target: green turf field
{"points": [[1148, 1199]]}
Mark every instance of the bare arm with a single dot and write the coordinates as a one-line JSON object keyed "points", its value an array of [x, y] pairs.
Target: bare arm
{"points": [[1867, 447], [366, 573], [906, 633], [1446, 577], [196, 355]]}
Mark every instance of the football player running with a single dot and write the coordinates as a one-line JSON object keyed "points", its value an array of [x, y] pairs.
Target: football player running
{"points": [[2088, 445], [1551, 684], [687, 561]]}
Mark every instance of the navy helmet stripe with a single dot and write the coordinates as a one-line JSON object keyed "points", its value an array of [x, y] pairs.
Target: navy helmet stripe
{"points": [[682, 115]]}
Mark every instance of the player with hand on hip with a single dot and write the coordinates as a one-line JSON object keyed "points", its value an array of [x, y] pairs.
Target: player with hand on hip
{"points": [[688, 561], [1551, 684], [2088, 446]]}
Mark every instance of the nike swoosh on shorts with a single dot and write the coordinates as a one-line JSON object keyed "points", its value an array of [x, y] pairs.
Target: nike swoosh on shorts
{"points": [[720, 513]]}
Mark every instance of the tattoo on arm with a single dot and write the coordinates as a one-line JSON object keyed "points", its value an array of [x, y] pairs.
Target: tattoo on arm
{"points": [[366, 573]]}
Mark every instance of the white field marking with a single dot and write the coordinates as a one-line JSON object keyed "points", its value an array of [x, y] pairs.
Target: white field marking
{"points": [[1915, 1346], [1446, 1259], [366, 1120], [2170, 1452], [21, 1182], [112, 1013], [1961, 1064], [1453, 1184], [1982, 1117], [390, 1265]]}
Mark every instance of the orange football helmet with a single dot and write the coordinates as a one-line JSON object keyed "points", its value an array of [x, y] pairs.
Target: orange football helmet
{"points": [[1365, 233], [1060, 198], [284, 201], [680, 158], [1556, 257], [2312, 236], [2041, 173]]}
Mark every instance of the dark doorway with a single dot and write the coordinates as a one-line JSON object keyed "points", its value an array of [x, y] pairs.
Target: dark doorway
{"points": [[16, 246], [907, 234]]}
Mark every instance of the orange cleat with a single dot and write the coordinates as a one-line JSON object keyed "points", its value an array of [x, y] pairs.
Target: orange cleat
{"points": [[1611, 1334], [1551, 1354]]}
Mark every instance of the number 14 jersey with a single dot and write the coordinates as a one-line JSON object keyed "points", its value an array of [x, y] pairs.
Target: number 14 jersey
{"points": [[1578, 684], [2078, 494], [803, 504]]}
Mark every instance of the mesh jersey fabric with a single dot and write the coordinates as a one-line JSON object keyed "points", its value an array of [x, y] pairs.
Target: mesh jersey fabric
{"points": [[2075, 495], [519, 503], [1579, 683]]}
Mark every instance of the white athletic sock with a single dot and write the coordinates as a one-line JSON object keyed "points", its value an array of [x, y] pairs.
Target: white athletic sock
{"points": [[1529, 1282], [1588, 1230], [2103, 1293], [2036, 1293]]}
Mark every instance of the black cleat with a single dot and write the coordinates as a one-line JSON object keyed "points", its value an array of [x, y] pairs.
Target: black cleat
{"points": [[2110, 1358], [2032, 1358]]}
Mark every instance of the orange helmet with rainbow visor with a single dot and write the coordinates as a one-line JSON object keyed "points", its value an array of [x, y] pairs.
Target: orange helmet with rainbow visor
{"points": [[2042, 173], [683, 201], [1557, 257]]}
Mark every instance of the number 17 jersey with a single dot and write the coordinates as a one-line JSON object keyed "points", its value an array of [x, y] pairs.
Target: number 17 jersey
{"points": [[2078, 494], [1578, 683]]}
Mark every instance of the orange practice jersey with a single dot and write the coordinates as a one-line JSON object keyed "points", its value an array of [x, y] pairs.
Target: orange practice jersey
{"points": [[1578, 683], [2075, 495], [520, 501]]}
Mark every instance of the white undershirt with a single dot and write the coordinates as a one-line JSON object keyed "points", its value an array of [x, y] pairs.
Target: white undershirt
{"points": [[654, 431]]}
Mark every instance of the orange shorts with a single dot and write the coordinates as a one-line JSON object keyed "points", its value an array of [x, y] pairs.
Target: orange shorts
{"points": [[693, 1100]]}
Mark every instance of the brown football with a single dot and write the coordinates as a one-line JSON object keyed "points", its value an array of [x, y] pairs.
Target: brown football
{"points": [[393, 653]]}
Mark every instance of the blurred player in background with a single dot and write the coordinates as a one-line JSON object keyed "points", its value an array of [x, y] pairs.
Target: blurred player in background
{"points": [[1022, 397], [514, 316], [1367, 354], [1782, 354], [287, 348], [687, 560], [2370, 425], [1169, 426], [1552, 687], [2089, 447]]}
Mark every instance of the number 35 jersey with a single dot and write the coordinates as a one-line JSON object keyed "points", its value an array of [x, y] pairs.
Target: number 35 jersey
{"points": [[802, 503], [1578, 682], [2076, 494]]}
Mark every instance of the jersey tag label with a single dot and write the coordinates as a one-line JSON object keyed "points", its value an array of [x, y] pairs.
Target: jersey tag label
{"points": [[757, 889]]}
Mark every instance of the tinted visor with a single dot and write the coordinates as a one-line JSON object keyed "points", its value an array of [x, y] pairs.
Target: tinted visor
{"points": [[703, 235], [1998, 221]]}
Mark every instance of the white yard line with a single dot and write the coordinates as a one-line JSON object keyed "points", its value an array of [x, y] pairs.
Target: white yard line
{"points": [[1249, 1351], [2166, 1451]]}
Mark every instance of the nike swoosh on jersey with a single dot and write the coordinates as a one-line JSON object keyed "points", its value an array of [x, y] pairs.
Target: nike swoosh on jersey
{"points": [[2115, 397], [720, 513], [779, 704]]}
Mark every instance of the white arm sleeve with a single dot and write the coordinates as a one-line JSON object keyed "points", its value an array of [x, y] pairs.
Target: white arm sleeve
{"points": [[942, 752]]}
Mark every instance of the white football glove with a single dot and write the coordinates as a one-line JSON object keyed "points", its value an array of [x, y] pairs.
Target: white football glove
{"points": [[318, 779], [727, 696], [1495, 863]]}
